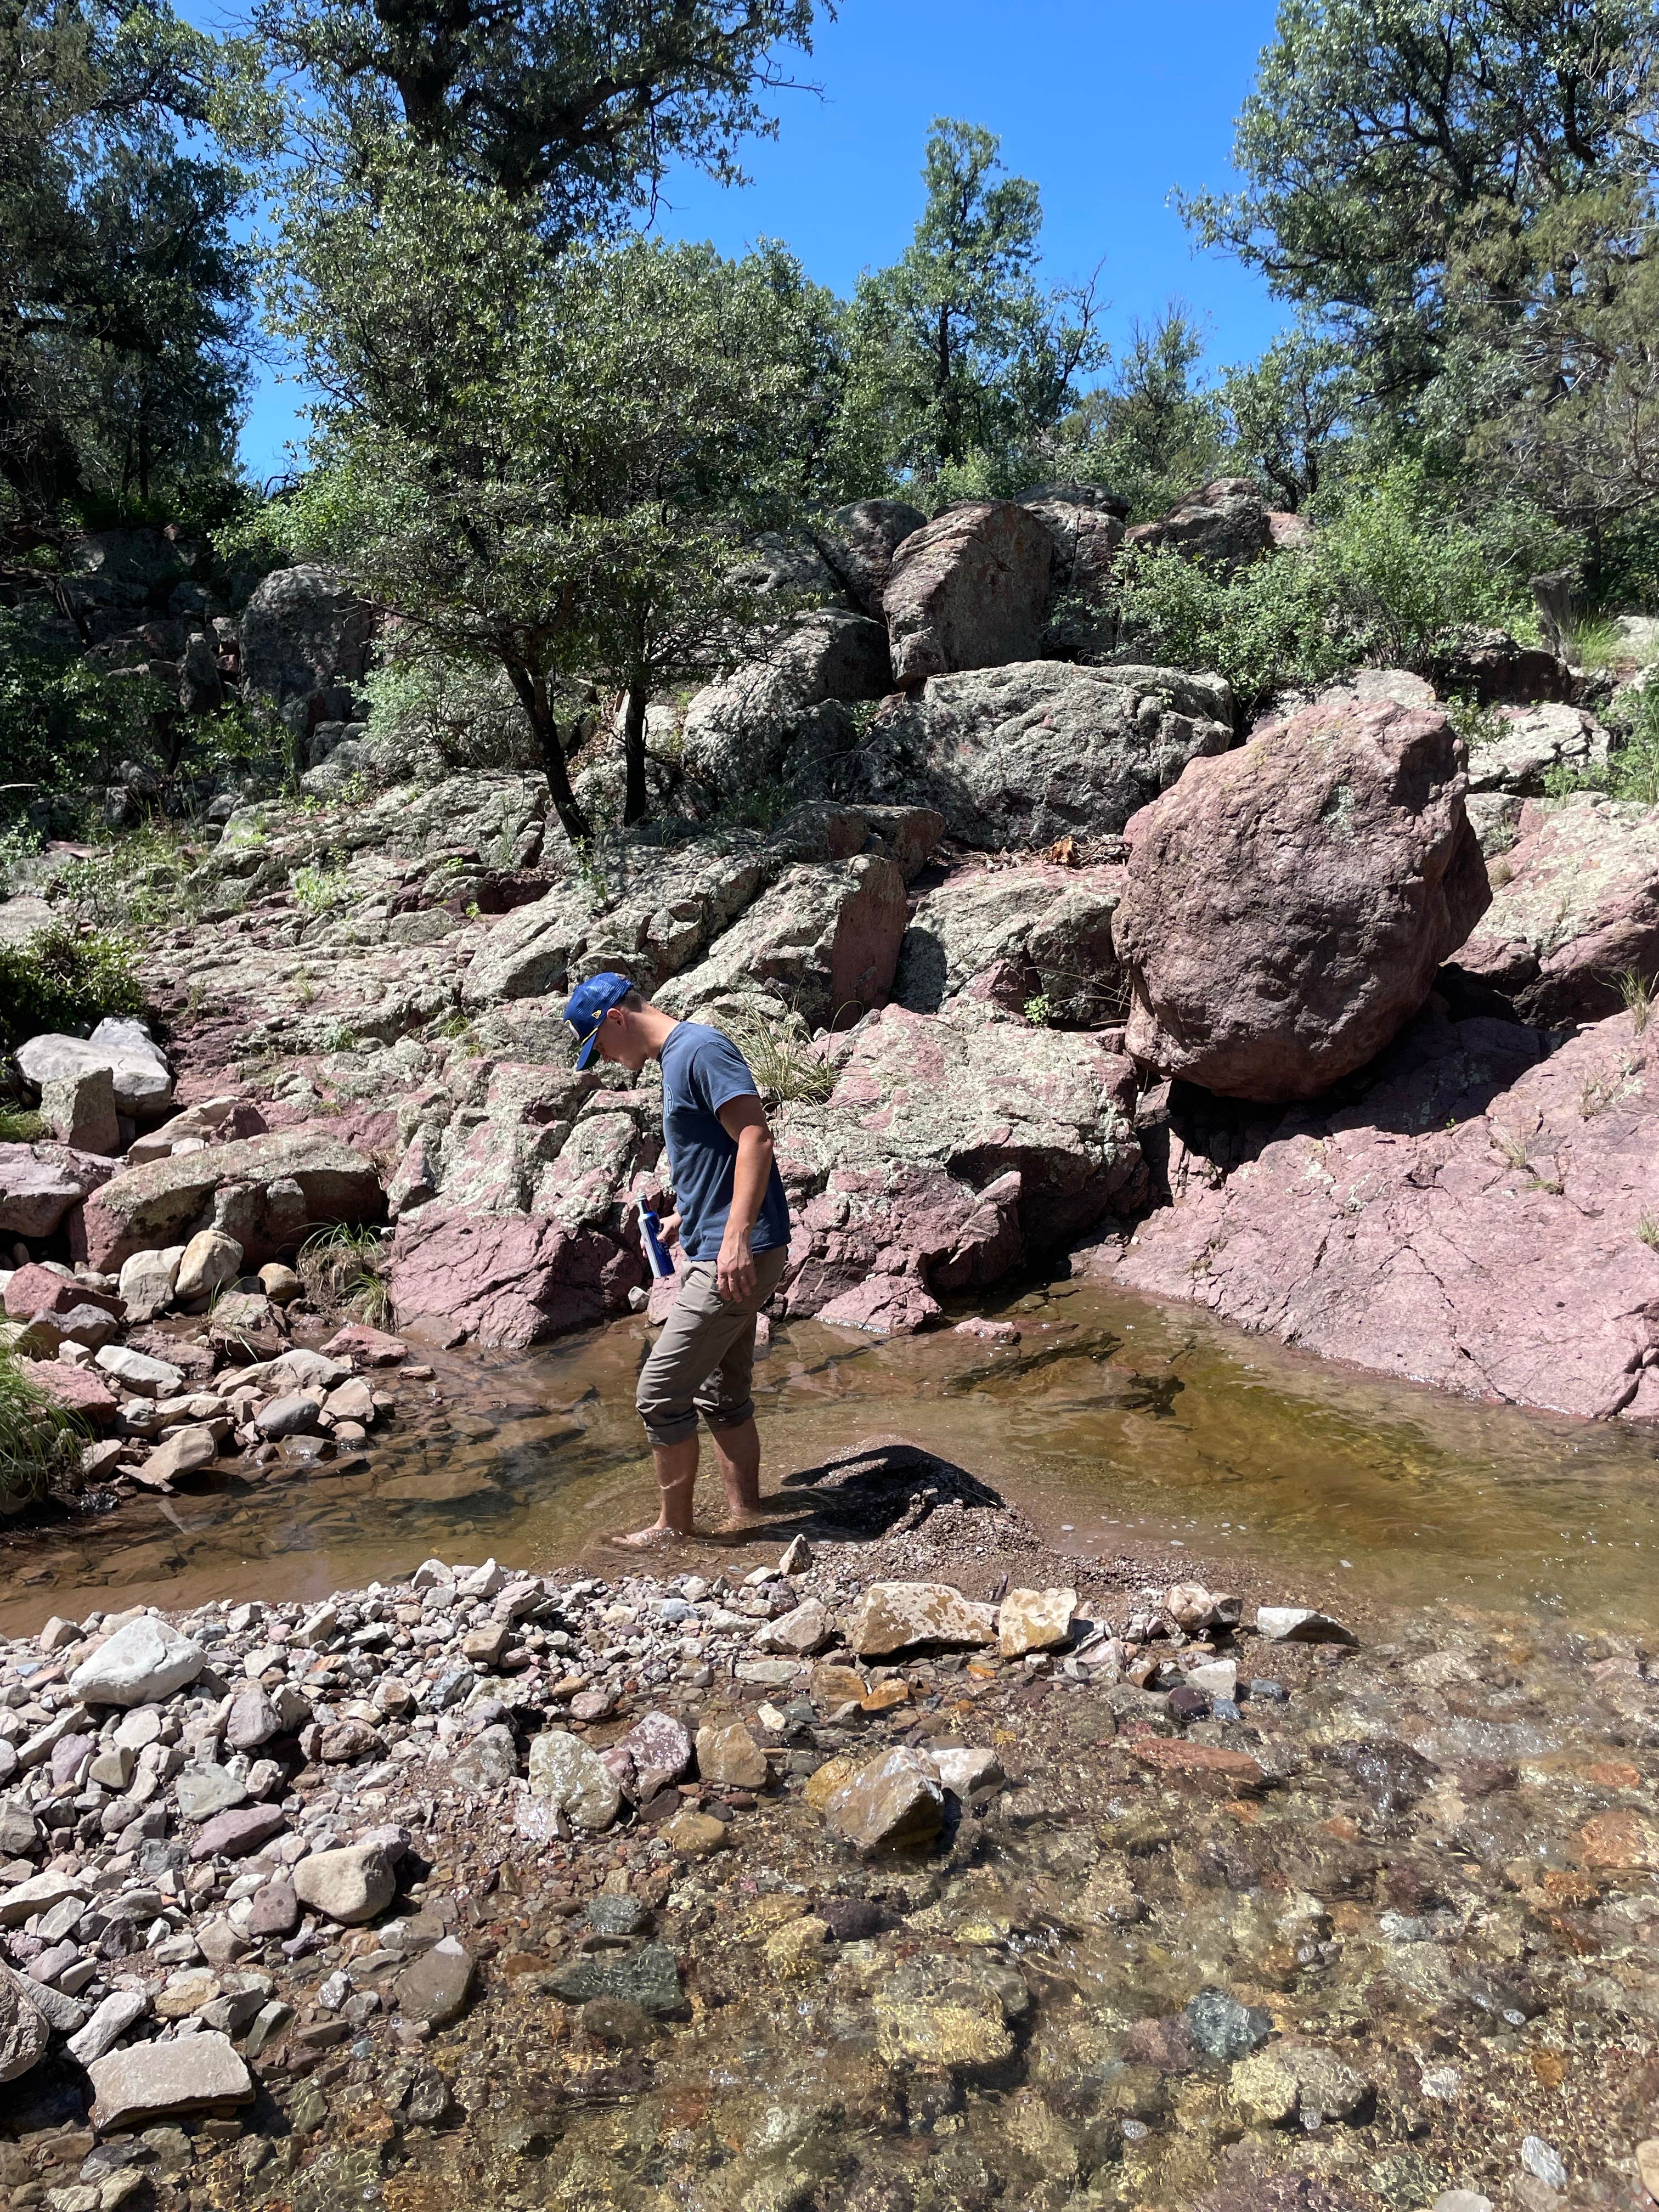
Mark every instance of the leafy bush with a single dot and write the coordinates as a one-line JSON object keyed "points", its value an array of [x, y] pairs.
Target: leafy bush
{"points": [[58, 980], [62, 721], [145, 879], [18, 843], [39, 1442], [1632, 767], [1389, 571]]}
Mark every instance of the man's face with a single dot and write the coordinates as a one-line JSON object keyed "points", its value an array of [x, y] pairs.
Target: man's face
{"points": [[619, 1039]]}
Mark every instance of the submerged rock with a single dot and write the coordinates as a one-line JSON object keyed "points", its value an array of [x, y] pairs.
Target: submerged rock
{"points": [[896, 1800]]}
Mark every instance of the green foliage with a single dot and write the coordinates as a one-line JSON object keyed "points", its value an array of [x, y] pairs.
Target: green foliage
{"points": [[1389, 571], [343, 1267], [319, 890], [122, 351], [1150, 432], [956, 351], [39, 1444], [780, 1056], [19, 1126], [574, 111], [144, 880], [63, 721], [18, 844], [1289, 413], [537, 462], [58, 980]]}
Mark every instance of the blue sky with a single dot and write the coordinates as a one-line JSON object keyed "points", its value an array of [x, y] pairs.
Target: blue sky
{"points": [[1107, 105]]}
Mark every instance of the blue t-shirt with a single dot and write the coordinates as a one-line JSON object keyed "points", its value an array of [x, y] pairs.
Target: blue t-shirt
{"points": [[703, 1071]]}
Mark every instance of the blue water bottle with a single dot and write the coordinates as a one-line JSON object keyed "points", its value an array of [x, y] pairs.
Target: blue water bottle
{"points": [[656, 1251]]}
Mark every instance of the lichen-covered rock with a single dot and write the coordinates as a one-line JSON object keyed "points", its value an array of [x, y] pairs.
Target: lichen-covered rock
{"points": [[775, 719], [1526, 742], [269, 1193], [859, 542], [947, 1149], [1474, 1221], [1224, 526], [1021, 754], [1287, 905], [969, 590], [302, 631], [1007, 936], [1575, 906], [509, 1278], [39, 1183], [1033, 1620], [824, 939], [139, 1075], [576, 1779]]}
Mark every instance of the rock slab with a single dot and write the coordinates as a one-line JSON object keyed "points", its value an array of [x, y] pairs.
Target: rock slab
{"points": [[157, 2080]]}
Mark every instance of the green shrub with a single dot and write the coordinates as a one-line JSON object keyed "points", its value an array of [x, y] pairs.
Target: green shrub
{"points": [[39, 1440], [63, 721], [1266, 629], [60, 978]]}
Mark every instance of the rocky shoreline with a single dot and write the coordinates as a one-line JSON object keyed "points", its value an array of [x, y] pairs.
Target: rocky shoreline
{"points": [[895, 1871]]}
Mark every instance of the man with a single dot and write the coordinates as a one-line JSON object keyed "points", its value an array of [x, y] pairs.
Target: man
{"points": [[732, 1230]]}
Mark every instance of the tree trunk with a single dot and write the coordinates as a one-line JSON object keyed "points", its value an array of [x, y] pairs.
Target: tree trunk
{"points": [[532, 698], [634, 801]]}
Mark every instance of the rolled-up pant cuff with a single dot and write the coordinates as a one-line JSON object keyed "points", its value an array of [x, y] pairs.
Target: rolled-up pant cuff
{"points": [[661, 1434]]}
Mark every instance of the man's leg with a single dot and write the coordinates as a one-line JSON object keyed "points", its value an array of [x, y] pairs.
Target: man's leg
{"points": [[693, 1340], [738, 1453], [726, 1403]]}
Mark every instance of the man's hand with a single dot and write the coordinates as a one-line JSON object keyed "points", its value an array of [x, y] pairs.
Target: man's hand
{"points": [[668, 1229], [734, 1270]]}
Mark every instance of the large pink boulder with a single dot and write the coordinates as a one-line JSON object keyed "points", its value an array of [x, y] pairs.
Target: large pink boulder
{"points": [[970, 591], [1286, 905], [1575, 906], [511, 1279], [1480, 1220], [1223, 525]]}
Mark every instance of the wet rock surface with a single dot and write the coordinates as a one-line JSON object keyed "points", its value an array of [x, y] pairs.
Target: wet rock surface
{"points": [[1051, 1928]]}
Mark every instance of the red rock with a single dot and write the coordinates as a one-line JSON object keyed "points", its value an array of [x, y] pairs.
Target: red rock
{"points": [[1474, 1221], [1223, 527], [35, 1289], [39, 1183], [1575, 905], [232, 1835], [1288, 904], [289, 1185], [510, 1279], [1173, 1755], [969, 590], [368, 1347], [79, 1388], [988, 1332]]}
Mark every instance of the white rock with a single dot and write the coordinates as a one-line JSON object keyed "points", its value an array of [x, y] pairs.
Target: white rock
{"points": [[1033, 1620], [117, 2014], [350, 1885], [38, 1894], [211, 1260], [963, 1770], [146, 2081], [1216, 1678], [562, 1768], [146, 1660], [139, 1373], [147, 1280]]}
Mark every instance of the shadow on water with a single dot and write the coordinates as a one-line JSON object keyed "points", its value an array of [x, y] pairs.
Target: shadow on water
{"points": [[1115, 1422]]}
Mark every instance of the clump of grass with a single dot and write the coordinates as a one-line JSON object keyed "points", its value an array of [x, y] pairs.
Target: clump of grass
{"points": [[781, 1057], [19, 1126], [320, 891], [146, 880], [1635, 997], [58, 979], [344, 1267], [1648, 1230], [40, 1442], [1512, 1147]]}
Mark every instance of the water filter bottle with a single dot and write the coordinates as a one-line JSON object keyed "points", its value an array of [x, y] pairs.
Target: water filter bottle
{"points": [[656, 1251]]}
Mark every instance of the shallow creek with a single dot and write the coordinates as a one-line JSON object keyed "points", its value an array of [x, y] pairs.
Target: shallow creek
{"points": [[1117, 1423], [1396, 1938]]}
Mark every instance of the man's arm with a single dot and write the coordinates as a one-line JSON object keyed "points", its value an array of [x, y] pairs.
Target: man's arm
{"points": [[744, 1121]]}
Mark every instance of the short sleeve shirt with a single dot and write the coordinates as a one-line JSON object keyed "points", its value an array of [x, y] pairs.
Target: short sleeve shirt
{"points": [[703, 1071]]}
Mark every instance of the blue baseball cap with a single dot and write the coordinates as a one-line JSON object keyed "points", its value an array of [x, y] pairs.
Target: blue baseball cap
{"points": [[589, 1004]]}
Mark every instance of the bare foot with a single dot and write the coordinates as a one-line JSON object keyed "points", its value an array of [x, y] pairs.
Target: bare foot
{"points": [[750, 1517], [652, 1539]]}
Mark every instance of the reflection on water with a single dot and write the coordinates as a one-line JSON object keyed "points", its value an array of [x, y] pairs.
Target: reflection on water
{"points": [[1114, 1420]]}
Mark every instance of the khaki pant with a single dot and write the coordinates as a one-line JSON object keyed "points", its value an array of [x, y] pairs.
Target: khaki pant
{"points": [[704, 1360]]}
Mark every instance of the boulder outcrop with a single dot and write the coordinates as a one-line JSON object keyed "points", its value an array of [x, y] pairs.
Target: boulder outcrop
{"points": [[1574, 907], [1287, 905], [1007, 936], [948, 1150], [777, 719], [269, 1193], [40, 1184], [824, 939], [1223, 524], [859, 542], [969, 590], [1476, 1221], [303, 631], [509, 1279], [1039, 750]]}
